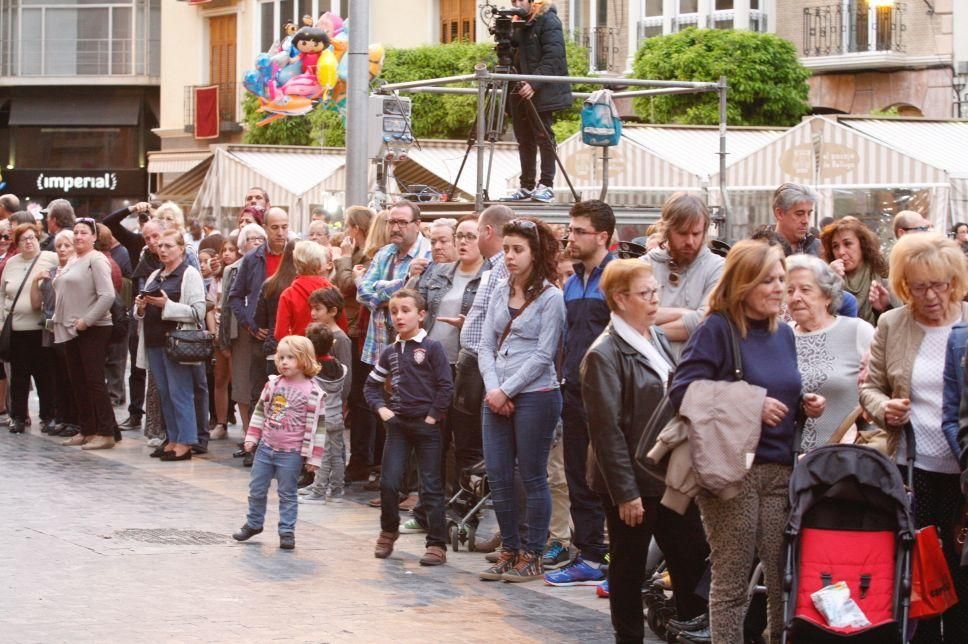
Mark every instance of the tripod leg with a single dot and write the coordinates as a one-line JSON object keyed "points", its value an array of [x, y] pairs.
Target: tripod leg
{"points": [[471, 139], [496, 125], [537, 119]]}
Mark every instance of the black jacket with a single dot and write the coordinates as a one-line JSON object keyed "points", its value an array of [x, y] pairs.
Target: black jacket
{"points": [[620, 390], [539, 49]]}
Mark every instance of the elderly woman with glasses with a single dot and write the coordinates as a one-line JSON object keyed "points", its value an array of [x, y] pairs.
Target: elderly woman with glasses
{"points": [[623, 379], [84, 293], [28, 357], [905, 386], [830, 347]]}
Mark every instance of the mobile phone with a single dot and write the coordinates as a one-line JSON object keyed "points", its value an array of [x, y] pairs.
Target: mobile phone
{"points": [[153, 293]]}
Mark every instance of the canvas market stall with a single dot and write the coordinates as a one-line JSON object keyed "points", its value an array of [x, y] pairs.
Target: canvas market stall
{"points": [[653, 161], [940, 144], [854, 174], [297, 178]]}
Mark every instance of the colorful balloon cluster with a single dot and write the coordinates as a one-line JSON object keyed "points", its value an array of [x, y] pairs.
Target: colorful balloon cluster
{"points": [[307, 69]]}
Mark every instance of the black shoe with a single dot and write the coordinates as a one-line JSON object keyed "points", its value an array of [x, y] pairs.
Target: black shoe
{"points": [[130, 423], [17, 427], [200, 449], [245, 533], [248, 459], [67, 430], [287, 541], [117, 435], [171, 456], [48, 426], [158, 453], [239, 453]]}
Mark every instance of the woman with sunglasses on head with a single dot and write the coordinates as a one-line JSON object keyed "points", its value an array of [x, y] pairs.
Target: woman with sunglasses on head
{"points": [[28, 357], [521, 334], [82, 322]]}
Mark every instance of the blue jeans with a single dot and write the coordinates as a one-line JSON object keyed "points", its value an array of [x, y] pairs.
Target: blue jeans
{"points": [[285, 467], [523, 439], [404, 434], [175, 383]]}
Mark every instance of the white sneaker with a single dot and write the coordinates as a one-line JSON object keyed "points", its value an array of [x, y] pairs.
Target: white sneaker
{"points": [[155, 442], [303, 491], [219, 432], [313, 498], [335, 497]]}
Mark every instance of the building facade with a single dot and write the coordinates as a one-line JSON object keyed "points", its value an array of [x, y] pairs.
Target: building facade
{"points": [[79, 85]]}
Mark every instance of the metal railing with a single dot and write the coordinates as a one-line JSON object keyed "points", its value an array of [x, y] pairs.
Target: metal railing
{"points": [[228, 102], [80, 57], [832, 29]]}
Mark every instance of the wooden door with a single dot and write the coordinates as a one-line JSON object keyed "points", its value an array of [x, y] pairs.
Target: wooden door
{"points": [[457, 20], [221, 65]]}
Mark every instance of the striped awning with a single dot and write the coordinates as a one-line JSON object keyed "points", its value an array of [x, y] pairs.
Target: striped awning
{"points": [[176, 161], [822, 153], [296, 178]]}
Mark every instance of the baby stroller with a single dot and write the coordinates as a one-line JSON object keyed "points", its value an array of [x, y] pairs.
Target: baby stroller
{"points": [[850, 521], [464, 508]]}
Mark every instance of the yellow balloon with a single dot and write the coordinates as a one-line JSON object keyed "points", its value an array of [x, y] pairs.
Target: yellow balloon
{"points": [[377, 54], [326, 69]]}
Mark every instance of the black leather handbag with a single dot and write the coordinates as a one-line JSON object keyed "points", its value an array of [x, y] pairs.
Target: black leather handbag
{"points": [[190, 345]]}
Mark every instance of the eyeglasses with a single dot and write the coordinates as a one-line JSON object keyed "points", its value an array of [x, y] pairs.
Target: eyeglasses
{"points": [[920, 290], [398, 223], [647, 295], [920, 229], [465, 237], [581, 231], [25, 238]]}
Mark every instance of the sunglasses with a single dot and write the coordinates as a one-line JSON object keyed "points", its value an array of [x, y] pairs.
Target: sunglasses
{"points": [[5, 237], [525, 224]]}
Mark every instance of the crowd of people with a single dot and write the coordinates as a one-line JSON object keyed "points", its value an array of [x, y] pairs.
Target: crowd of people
{"points": [[499, 339]]}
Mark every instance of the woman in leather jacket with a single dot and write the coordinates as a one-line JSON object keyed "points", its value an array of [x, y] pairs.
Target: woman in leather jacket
{"points": [[624, 376]]}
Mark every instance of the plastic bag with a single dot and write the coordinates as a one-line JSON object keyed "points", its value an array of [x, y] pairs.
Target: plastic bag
{"points": [[835, 604], [932, 588]]}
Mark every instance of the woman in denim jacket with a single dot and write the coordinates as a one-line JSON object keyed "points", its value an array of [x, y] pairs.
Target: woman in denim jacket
{"points": [[522, 332]]}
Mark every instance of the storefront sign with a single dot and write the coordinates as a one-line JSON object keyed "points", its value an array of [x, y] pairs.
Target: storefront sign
{"points": [[835, 160], [69, 183]]}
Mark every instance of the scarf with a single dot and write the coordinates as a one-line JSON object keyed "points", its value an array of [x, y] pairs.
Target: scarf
{"points": [[859, 285], [648, 349]]}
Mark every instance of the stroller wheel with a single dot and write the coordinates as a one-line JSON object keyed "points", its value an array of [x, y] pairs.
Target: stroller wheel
{"points": [[657, 617], [455, 537], [471, 536]]}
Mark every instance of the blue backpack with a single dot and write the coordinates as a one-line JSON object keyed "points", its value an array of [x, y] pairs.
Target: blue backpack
{"points": [[600, 123]]}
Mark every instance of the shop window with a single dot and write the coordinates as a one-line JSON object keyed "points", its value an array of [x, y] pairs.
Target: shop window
{"points": [[76, 148], [65, 38], [274, 14]]}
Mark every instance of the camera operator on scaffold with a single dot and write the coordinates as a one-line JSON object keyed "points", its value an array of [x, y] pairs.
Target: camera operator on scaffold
{"points": [[538, 47]]}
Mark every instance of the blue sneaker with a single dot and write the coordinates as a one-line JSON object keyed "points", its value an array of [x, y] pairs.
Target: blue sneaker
{"points": [[543, 193], [521, 194], [577, 573]]}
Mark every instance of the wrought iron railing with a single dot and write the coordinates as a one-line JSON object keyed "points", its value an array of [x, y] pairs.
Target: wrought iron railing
{"points": [[844, 28], [228, 102]]}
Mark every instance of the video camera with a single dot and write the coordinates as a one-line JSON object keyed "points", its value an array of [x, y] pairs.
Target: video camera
{"points": [[501, 27]]}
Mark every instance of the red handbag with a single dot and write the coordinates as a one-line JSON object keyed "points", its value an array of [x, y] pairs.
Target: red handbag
{"points": [[932, 589]]}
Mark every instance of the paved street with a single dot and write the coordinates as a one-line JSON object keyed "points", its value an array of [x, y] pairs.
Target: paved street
{"points": [[113, 546]]}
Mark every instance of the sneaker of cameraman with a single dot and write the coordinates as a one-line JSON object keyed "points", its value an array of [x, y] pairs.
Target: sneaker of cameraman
{"points": [[538, 48]]}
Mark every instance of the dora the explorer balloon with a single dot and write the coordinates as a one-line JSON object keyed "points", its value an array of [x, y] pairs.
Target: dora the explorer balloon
{"points": [[310, 43]]}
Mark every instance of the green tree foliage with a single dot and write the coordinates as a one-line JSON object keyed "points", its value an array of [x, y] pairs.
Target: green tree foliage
{"points": [[767, 83], [435, 116]]}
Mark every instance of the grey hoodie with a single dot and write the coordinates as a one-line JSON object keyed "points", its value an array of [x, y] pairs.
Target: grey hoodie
{"points": [[695, 283], [336, 395]]}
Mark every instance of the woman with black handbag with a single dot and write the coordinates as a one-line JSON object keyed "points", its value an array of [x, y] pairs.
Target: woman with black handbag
{"points": [[83, 297], [173, 294], [624, 377], [22, 332]]}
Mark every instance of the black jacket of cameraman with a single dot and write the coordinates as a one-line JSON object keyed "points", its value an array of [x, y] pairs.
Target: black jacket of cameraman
{"points": [[539, 49]]}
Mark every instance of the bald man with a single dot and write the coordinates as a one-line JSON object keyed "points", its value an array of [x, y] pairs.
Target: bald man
{"points": [[9, 204], [909, 221]]}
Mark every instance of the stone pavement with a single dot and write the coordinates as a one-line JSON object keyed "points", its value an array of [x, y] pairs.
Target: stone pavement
{"points": [[114, 546]]}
